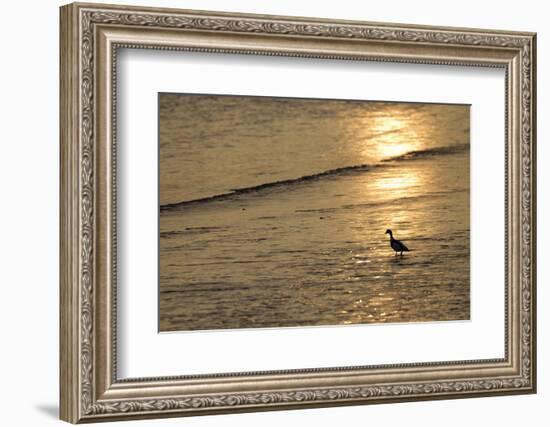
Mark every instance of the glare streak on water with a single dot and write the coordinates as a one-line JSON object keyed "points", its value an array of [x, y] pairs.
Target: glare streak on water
{"points": [[313, 252]]}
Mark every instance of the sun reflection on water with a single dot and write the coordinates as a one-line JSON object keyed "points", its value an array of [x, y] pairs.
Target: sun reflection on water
{"points": [[398, 183], [395, 132], [390, 149], [394, 135]]}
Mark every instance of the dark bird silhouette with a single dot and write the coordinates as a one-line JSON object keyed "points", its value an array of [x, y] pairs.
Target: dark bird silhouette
{"points": [[395, 244]]}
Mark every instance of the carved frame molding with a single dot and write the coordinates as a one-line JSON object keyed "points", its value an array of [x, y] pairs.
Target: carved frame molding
{"points": [[90, 37]]}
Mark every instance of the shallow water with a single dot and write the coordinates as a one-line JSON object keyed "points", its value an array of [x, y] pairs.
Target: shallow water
{"points": [[311, 251]]}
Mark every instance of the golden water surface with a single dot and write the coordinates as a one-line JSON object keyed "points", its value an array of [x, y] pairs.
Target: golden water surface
{"points": [[258, 229]]}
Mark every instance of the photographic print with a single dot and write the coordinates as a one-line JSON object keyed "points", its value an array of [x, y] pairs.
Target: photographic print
{"points": [[288, 212]]}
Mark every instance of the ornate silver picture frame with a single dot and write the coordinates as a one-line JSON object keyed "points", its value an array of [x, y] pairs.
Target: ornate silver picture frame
{"points": [[91, 36]]}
